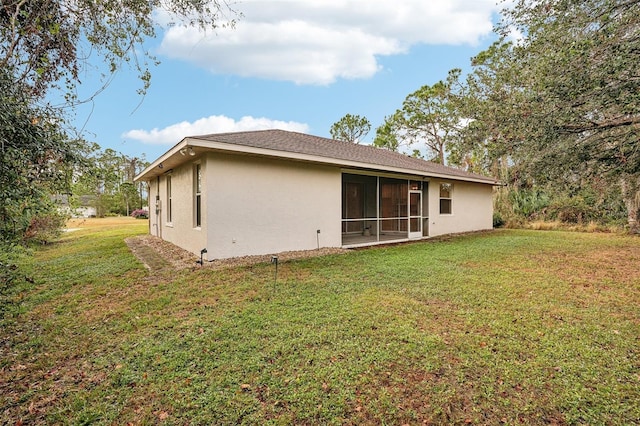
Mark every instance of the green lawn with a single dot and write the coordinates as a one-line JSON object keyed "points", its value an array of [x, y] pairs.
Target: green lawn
{"points": [[514, 327]]}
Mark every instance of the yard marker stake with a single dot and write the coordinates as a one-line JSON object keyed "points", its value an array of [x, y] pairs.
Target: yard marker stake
{"points": [[274, 260], [201, 261]]}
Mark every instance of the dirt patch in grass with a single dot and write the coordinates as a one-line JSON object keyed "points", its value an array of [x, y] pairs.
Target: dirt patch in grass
{"points": [[146, 254], [157, 254], [619, 265]]}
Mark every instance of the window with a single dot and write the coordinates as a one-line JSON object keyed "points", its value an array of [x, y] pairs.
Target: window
{"points": [[169, 210], [445, 198], [198, 195]]}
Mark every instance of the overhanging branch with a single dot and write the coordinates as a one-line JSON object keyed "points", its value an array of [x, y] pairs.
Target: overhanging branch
{"points": [[601, 125]]}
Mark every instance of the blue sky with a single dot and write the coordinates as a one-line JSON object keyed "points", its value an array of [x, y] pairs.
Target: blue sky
{"points": [[295, 65]]}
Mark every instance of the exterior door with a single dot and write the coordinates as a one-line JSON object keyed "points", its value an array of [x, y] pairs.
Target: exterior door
{"points": [[415, 214]]}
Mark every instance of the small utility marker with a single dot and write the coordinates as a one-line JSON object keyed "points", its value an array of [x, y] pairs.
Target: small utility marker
{"points": [[201, 261], [274, 260]]}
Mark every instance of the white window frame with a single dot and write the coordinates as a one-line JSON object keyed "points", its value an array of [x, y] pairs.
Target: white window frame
{"points": [[449, 198], [197, 195], [169, 203]]}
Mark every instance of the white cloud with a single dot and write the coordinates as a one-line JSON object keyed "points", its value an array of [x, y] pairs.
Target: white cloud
{"points": [[515, 35], [214, 124], [319, 41]]}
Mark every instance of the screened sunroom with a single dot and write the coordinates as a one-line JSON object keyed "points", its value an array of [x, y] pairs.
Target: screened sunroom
{"points": [[378, 209]]}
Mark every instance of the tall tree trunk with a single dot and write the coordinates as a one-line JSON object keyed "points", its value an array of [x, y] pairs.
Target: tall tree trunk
{"points": [[438, 147], [630, 186]]}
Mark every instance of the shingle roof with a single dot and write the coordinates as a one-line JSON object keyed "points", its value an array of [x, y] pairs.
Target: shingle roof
{"points": [[300, 143]]}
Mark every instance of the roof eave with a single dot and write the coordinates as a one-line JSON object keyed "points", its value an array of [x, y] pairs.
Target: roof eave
{"points": [[152, 170], [249, 150]]}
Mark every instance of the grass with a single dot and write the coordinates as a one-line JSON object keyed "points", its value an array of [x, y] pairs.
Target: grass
{"points": [[542, 225], [511, 327]]}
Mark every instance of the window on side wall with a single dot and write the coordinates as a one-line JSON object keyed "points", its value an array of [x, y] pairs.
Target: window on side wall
{"points": [[446, 189], [169, 209], [197, 177]]}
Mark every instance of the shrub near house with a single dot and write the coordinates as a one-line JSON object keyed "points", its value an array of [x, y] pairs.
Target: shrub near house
{"points": [[140, 214]]}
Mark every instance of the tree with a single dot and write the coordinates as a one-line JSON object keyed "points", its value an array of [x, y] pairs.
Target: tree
{"points": [[34, 154], [490, 108], [44, 44], [48, 42], [130, 196], [350, 128], [564, 102], [387, 134], [431, 115], [108, 180]]}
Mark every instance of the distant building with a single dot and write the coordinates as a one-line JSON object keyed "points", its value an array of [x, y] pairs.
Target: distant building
{"points": [[83, 209]]}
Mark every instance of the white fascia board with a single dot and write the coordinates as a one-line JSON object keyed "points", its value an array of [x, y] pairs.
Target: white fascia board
{"points": [[173, 151]]}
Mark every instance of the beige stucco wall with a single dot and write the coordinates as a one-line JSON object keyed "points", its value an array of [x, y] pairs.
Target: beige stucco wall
{"points": [[253, 205], [180, 231], [472, 208], [263, 206]]}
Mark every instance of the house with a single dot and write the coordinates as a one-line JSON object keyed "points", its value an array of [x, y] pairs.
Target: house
{"points": [[82, 206], [264, 192]]}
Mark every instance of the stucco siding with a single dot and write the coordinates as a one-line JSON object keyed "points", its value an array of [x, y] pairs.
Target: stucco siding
{"points": [[471, 208], [260, 206], [180, 230]]}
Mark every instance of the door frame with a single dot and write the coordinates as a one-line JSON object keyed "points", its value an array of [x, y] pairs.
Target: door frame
{"points": [[418, 217]]}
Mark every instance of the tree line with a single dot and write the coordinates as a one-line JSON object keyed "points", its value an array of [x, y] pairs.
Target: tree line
{"points": [[551, 109], [107, 183], [44, 170]]}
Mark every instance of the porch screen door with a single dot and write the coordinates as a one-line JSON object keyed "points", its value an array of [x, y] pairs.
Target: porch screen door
{"points": [[415, 214]]}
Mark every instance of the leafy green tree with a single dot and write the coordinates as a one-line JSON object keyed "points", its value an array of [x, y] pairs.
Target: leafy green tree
{"points": [[48, 42], [484, 144], [130, 197], [350, 128], [44, 44], [431, 115], [562, 103], [34, 153], [387, 135], [108, 180]]}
